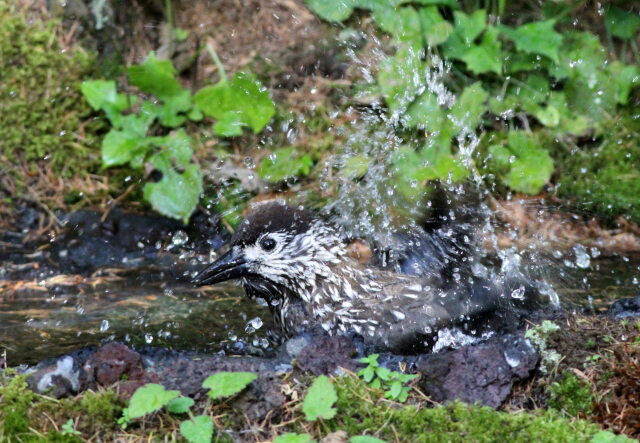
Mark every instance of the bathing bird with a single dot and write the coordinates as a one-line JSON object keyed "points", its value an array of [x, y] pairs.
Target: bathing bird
{"points": [[300, 265]]}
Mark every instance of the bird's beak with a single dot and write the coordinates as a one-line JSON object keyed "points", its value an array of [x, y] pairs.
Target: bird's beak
{"points": [[230, 266]]}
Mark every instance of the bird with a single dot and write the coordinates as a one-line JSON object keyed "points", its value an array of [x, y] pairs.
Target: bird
{"points": [[300, 265]]}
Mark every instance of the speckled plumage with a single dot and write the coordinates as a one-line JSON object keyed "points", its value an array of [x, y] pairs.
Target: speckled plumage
{"points": [[309, 281]]}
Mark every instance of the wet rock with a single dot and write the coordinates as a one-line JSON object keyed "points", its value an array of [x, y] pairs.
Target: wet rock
{"points": [[482, 373], [57, 380], [625, 307], [261, 397], [325, 354], [113, 362]]}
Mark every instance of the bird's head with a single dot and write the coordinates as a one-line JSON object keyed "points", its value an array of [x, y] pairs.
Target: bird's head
{"points": [[277, 249]]}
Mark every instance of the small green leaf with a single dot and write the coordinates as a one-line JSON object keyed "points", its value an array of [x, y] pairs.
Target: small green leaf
{"points": [[198, 430], [155, 76], [610, 437], [383, 373], [334, 11], [226, 384], [435, 28], [119, 148], [536, 38], [282, 164], [548, 116], [469, 27], [102, 95], [626, 78], [395, 389], [487, 56], [402, 23], [149, 398], [318, 403], [365, 439], [622, 24], [178, 191], [293, 438], [531, 167], [425, 113], [367, 373], [468, 110], [400, 79], [356, 166], [180, 405], [236, 103], [68, 429]]}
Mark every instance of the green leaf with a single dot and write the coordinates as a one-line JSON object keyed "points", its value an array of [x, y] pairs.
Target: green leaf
{"points": [[119, 148], [284, 163], [383, 373], [318, 403], [548, 116], [356, 166], [435, 29], [149, 398], [371, 360], [394, 390], [536, 38], [622, 24], [293, 438], [365, 439], [626, 78], [468, 110], [400, 79], [237, 103], [332, 11], [180, 405], [425, 113], [367, 373], [155, 76], [177, 193], [402, 23], [198, 430], [226, 384], [531, 167], [487, 56], [469, 27], [102, 95]]}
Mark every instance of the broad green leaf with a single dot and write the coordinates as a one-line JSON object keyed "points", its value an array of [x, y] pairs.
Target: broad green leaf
{"points": [[622, 24], [136, 125], [178, 191], [548, 116], [610, 437], [425, 113], [626, 78], [536, 38], [119, 148], [226, 384], [356, 166], [570, 121], [155, 76], [435, 29], [318, 403], [505, 107], [367, 373], [402, 23], [149, 398], [237, 103], [180, 405], [487, 56], [532, 166], [284, 163], [102, 95], [198, 430], [169, 112], [394, 390], [400, 78], [469, 27], [443, 165], [293, 438], [332, 11], [467, 112], [365, 439]]}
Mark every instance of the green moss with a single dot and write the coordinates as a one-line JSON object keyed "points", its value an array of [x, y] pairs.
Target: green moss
{"points": [[15, 399], [606, 178], [42, 113], [570, 395], [361, 412]]}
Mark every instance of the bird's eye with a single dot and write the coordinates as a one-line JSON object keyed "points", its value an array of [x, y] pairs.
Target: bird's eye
{"points": [[268, 243]]}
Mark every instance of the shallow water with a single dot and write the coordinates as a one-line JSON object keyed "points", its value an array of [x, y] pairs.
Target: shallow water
{"points": [[142, 310]]}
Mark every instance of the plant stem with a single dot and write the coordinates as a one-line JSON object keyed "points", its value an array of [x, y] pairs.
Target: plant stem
{"points": [[168, 9], [216, 60]]}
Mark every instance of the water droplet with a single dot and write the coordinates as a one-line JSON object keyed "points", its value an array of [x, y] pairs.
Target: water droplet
{"points": [[104, 326], [148, 338], [518, 294], [253, 325], [582, 258]]}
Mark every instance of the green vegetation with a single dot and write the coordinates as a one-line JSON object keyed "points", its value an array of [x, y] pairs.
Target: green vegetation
{"points": [[539, 336], [571, 396], [524, 84], [43, 119], [131, 140], [391, 382]]}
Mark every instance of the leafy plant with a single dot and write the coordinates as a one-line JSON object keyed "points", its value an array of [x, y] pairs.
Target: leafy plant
{"points": [[284, 163], [557, 81], [539, 336], [379, 377], [69, 429], [226, 384], [570, 395], [318, 403], [149, 132]]}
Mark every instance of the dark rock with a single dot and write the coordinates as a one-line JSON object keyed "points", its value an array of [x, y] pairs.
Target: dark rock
{"points": [[325, 354], [482, 373], [625, 307], [261, 397], [114, 362]]}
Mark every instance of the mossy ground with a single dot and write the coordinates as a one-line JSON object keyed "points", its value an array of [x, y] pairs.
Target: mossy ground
{"points": [[565, 404]]}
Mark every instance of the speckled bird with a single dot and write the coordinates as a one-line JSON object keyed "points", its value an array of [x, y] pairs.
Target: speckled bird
{"points": [[300, 265]]}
